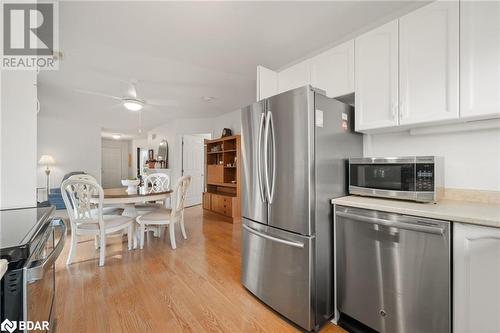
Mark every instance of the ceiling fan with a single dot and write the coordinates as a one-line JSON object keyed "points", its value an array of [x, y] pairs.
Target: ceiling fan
{"points": [[131, 101]]}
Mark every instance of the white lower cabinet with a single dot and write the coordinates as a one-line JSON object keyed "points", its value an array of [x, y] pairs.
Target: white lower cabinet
{"points": [[476, 279]]}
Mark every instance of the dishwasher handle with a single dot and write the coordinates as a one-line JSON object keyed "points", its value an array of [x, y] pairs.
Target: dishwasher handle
{"points": [[394, 224]]}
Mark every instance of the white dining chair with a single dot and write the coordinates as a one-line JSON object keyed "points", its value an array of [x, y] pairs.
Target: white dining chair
{"points": [[80, 197], [106, 210], [166, 216], [160, 182]]}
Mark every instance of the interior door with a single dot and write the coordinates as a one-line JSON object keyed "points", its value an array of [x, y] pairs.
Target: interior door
{"points": [[111, 167], [253, 203], [290, 140], [192, 165]]}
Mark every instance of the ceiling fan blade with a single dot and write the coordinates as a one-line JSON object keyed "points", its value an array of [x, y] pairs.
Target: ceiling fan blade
{"points": [[95, 93]]}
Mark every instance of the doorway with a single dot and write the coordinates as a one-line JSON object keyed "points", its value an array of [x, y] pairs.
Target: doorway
{"points": [[111, 167], [193, 164]]}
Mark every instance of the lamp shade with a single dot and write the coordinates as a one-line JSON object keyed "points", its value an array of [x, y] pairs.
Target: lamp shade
{"points": [[46, 160]]}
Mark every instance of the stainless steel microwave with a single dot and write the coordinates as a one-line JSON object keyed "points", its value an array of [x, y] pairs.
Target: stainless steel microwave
{"points": [[416, 178]]}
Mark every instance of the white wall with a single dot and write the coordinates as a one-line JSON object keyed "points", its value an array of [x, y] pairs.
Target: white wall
{"points": [[173, 131], [75, 145], [18, 159], [471, 159]]}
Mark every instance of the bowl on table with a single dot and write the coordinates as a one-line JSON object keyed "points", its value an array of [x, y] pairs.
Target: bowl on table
{"points": [[131, 185]]}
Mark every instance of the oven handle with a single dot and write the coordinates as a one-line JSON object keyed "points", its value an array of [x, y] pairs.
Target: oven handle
{"points": [[36, 273], [394, 224]]}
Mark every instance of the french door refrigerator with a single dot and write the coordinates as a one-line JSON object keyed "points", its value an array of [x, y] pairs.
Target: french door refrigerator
{"points": [[294, 151]]}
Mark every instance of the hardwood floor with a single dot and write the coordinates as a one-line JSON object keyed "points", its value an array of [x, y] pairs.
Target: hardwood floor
{"points": [[195, 288]]}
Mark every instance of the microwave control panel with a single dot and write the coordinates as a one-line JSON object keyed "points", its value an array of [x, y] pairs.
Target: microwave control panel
{"points": [[425, 177]]}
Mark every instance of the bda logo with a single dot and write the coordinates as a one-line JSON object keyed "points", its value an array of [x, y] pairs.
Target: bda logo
{"points": [[9, 326]]}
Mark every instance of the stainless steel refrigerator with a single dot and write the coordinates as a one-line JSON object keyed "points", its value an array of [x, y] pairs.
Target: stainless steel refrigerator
{"points": [[294, 151]]}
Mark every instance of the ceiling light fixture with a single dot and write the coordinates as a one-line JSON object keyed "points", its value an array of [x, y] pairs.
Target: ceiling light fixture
{"points": [[133, 104], [208, 98], [116, 136]]}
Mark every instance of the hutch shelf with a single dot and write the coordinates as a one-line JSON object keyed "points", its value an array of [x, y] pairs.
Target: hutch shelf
{"points": [[222, 183]]}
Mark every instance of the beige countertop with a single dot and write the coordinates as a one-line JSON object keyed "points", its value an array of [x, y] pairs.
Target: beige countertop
{"points": [[486, 214]]}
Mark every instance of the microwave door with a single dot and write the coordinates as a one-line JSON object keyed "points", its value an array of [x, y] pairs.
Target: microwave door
{"points": [[254, 205]]}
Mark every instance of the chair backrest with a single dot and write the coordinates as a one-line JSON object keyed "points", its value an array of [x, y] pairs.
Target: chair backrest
{"points": [[179, 196], [160, 182], [83, 176], [80, 196]]}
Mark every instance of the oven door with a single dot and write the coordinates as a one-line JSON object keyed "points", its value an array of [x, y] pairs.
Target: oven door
{"points": [[394, 179], [39, 278]]}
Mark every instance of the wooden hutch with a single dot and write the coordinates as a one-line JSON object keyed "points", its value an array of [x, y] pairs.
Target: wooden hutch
{"points": [[222, 183]]}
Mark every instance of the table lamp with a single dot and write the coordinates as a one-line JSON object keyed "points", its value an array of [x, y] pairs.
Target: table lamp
{"points": [[47, 160]]}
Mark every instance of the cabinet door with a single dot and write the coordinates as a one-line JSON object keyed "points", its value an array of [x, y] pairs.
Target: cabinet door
{"points": [[476, 279], [333, 70], [480, 58], [293, 77], [428, 63], [267, 83], [377, 78]]}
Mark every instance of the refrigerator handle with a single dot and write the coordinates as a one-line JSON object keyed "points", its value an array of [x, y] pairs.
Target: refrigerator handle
{"points": [[273, 177], [259, 156], [272, 238], [266, 156]]}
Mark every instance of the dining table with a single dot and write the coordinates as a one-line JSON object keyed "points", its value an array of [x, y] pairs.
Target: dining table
{"points": [[120, 198]]}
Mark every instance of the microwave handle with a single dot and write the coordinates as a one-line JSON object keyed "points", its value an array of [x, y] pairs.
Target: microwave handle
{"points": [[36, 273]]}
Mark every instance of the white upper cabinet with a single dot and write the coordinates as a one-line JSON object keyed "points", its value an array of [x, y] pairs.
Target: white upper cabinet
{"points": [[480, 58], [428, 63], [476, 276], [293, 77], [333, 70], [377, 78], [267, 83]]}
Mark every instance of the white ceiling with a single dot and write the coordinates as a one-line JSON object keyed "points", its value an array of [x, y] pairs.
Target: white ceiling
{"points": [[188, 50]]}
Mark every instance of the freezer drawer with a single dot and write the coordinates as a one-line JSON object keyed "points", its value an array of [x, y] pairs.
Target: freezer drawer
{"points": [[277, 268]]}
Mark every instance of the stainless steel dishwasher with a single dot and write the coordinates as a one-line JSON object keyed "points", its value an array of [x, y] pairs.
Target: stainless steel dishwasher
{"points": [[393, 271]]}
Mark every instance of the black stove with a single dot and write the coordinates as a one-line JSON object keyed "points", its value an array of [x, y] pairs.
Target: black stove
{"points": [[31, 240], [18, 231]]}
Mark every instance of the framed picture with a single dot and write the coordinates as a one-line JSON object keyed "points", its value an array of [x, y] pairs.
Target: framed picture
{"points": [[151, 154]]}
